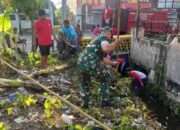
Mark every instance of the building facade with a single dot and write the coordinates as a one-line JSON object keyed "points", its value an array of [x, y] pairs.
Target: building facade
{"points": [[169, 4], [89, 12]]}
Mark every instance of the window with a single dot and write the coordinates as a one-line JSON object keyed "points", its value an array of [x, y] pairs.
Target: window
{"points": [[169, 4], [22, 17], [12, 17]]}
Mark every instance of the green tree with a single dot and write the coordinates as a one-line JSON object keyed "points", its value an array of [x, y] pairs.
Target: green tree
{"points": [[58, 16], [29, 8], [5, 23]]}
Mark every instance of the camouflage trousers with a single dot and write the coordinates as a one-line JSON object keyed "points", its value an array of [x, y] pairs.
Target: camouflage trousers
{"points": [[104, 75]]}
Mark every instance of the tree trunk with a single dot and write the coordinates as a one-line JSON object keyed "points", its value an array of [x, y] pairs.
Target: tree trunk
{"points": [[49, 70], [119, 17], [14, 83], [137, 19]]}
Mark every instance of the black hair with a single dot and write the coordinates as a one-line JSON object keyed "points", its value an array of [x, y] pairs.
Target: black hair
{"points": [[66, 22], [42, 12]]}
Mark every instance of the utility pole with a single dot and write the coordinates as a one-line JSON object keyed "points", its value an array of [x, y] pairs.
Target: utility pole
{"points": [[119, 17], [137, 18], [86, 12], [64, 6], [51, 12], [178, 24]]}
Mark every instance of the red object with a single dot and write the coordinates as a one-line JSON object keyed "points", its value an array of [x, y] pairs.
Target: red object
{"points": [[107, 14], [137, 75], [96, 31], [120, 60], [114, 31], [155, 22], [133, 6], [43, 31], [93, 3], [134, 75]]}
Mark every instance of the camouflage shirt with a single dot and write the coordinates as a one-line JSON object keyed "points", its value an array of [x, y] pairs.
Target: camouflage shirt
{"points": [[89, 60]]}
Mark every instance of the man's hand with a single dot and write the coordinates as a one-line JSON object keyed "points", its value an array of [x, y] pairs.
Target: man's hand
{"points": [[142, 84], [115, 63], [120, 60]]}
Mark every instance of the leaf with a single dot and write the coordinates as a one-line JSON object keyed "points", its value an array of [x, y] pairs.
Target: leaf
{"points": [[47, 104], [5, 23], [2, 126], [30, 101], [78, 127], [2, 103], [125, 121], [10, 111], [48, 113], [45, 94]]}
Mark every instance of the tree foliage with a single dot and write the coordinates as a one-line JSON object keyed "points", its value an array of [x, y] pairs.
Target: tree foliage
{"points": [[28, 7]]}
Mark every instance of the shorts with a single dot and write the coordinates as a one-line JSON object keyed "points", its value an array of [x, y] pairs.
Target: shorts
{"points": [[44, 50]]}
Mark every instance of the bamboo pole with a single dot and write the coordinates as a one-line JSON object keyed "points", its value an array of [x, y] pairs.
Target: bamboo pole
{"points": [[76, 108], [137, 18]]}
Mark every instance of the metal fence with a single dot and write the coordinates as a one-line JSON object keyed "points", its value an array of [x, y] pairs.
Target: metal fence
{"points": [[175, 4]]}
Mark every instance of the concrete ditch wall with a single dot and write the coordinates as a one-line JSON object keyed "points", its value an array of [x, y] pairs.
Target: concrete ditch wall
{"points": [[151, 53], [173, 62], [144, 52]]}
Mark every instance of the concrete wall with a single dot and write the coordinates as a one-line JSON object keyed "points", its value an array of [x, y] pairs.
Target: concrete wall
{"points": [[173, 62], [144, 52], [151, 53]]}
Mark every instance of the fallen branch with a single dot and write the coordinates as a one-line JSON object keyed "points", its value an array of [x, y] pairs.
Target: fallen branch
{"points": [[15, 83], [49, 70], [76, 108]]}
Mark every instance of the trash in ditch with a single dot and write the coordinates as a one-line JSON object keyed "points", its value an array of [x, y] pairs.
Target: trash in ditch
{"points": [[68, 119], [20, 120]]}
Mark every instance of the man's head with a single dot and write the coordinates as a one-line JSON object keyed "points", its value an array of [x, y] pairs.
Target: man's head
{"points": [[107, 32], [42, 13], [66, 23]]}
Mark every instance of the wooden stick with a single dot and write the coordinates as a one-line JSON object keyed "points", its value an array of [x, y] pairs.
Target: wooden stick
{"points": [[55, 94]]}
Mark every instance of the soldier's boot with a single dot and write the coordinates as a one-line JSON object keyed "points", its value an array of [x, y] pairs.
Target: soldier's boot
{"points": [[105, 99]]}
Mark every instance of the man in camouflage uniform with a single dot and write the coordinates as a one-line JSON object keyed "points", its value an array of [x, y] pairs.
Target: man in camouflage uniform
{"points": [[92, 63]]}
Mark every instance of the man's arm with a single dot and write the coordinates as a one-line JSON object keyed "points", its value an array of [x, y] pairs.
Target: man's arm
{"points": [[110, 47], [139, 79], [108, 61]]}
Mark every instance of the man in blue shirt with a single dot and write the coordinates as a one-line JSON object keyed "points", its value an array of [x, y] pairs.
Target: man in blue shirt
{"points": [[68, 42], [69, 31]]}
